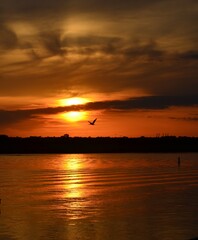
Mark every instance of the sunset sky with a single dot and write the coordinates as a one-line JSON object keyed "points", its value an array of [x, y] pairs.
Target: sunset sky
{"points": [[133, 65]]}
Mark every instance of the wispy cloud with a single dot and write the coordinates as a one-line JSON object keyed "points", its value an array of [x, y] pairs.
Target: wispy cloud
{"points": [[146, 45], [8, 39]]}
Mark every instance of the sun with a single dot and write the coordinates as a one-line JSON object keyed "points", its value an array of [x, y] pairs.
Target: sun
{"points": [[74, 116], [72, 101]]}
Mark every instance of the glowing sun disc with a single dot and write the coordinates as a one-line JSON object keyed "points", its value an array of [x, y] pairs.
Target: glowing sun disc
{"points": [[72, 101], [74, 116]]}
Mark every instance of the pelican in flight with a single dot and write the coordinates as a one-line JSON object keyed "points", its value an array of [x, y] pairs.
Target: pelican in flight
{"points": [[92, 123]]}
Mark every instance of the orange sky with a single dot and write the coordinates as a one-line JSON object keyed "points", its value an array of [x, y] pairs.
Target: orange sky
{"points": [[132, 64]]}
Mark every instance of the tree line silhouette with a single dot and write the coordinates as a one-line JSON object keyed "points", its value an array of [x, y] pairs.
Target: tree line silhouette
{"points": [[66, 144]]}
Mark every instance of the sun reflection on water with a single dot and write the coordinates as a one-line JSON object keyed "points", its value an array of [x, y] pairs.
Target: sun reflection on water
{"points": [[73, 185], [73, 163], [74, 189]]}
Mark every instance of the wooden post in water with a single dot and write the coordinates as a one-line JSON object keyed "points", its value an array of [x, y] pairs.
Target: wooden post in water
{"points": [[178, 161]]}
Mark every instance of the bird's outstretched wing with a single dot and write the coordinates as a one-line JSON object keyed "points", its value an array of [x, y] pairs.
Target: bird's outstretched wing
{"points": [[92, 123], [94, 120]]}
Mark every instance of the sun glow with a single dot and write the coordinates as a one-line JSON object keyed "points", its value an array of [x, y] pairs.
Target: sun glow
{"points": [[72, 101], [74, 116]]}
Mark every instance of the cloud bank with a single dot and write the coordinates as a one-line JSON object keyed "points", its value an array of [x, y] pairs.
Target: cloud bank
{"points": [[140, 103], [48, 47]]}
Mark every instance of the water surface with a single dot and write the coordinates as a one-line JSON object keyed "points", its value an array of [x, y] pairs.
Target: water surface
{"points": [[98, 196]]}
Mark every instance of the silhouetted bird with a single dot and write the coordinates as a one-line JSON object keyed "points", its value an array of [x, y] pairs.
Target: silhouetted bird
{"points": [[92, 123]]}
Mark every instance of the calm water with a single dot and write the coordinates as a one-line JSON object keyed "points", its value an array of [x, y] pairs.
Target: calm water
{"points": [[98, 197]]}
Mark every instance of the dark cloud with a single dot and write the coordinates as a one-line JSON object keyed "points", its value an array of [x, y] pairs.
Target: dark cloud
{"points": [[10, 117], [35, 6], [8, 38], [150, 50], [144, 103], [91, 40], [104, 64], [32, 8], [189, 55], [52, 42], [185, 118], [151, 102], [150, 45], [111, 6]]}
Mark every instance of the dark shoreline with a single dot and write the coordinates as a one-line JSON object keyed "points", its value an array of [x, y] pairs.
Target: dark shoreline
{"points": [[65, 144]]}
